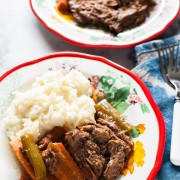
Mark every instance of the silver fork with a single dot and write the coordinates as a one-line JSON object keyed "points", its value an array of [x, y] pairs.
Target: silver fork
{"points": [[170, 68]]}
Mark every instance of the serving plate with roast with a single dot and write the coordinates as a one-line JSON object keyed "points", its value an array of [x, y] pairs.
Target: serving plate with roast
{"points": [[117, 131], [109, 23]]}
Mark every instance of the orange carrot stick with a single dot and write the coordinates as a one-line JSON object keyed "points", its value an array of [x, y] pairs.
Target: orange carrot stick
{"points": [[63, 5]]}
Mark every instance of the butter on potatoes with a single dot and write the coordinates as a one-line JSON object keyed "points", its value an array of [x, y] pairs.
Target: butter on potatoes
{"points": [[55, 99]]}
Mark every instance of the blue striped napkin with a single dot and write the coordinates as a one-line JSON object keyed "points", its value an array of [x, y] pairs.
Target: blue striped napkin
{"points": [[147, 68]]}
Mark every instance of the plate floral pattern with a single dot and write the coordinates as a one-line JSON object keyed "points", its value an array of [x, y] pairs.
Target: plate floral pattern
{"points": [[65, 27], [121, 88], [120, 92]]}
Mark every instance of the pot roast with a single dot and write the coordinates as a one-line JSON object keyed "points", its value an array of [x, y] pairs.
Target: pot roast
{"points": [[114, 15], [101, 150]]}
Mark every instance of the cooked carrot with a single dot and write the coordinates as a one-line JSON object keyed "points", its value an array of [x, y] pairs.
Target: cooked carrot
{"points": [[50, 177], [65, 167], [24, 174], [27, 172], [17, 148], [63, 5]]}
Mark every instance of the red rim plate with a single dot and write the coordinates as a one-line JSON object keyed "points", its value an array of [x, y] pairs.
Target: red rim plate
{"points": [[162, 133], [102, 45]]}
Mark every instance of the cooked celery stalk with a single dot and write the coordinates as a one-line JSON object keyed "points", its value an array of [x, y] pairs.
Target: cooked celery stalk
{"points": [[106, 111], [34, 156]]}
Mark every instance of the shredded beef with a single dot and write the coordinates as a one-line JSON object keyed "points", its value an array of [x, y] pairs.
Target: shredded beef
{"points": [[50, 160], [101, 150], [119, 133], [115, 15], [55, 135]]}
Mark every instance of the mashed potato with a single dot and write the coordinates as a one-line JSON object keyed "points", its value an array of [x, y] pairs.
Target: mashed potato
{"points": [[54, 100]]}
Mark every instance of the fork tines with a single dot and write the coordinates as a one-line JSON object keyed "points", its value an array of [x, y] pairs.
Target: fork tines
{"points": [[168, 60]]}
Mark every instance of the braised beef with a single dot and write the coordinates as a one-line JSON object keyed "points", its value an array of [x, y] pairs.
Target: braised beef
{"points": [[109, 124], [77, 141], [60, 164], [98, 150], [115, 165], [50, 160], [115, 15], [119, 133], [122, 135], [55, 135]]}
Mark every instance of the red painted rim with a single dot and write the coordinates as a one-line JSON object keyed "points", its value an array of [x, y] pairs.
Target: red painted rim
{"points": [[102, 45], [162, 133]]}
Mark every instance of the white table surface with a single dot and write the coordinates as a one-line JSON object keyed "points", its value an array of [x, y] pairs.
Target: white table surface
{"points": [[23, 38]]}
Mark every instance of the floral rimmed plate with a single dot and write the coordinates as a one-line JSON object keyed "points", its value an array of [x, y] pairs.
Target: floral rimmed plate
{"points": [[63, 26], [122, 88]]}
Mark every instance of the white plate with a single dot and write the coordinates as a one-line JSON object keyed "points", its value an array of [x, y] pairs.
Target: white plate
{"points": [[136, 104], [160, 18]]}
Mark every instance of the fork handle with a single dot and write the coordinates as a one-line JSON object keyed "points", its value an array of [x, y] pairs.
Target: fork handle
{"points": [[175, 138]]}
